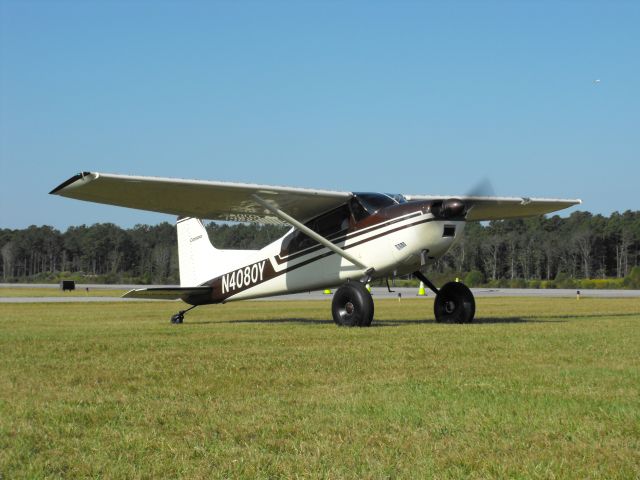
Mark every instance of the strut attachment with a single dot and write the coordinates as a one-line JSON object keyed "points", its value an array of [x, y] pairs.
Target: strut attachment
{"points": [[421, 276]]}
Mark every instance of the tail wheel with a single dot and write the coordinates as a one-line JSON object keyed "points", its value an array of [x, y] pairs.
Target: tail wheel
{"points": [[352, 305], [454, 304]]}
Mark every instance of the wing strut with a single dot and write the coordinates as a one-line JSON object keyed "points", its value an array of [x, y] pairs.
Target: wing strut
{"points": [[310, 233]]}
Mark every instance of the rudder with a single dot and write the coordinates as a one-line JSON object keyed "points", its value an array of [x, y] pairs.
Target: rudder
{"points": [[196, 255]]}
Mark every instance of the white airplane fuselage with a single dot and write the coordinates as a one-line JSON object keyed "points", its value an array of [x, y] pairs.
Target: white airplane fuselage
{"points": [[391, 244]]}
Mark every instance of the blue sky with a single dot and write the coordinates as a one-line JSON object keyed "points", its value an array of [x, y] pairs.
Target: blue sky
{"points": [[410, 97]]}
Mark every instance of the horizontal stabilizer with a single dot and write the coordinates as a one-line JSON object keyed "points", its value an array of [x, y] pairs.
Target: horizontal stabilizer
{"points": [[167, 293]]}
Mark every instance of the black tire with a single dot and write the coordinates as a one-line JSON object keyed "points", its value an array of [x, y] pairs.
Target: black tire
{"points": [[454, 304], [352, 305]]}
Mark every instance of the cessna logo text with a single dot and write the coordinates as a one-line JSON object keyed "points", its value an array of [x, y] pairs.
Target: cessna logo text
{"points": [[243, 277]]}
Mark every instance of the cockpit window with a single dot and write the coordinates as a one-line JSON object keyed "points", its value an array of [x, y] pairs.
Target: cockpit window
{"points": [[398, 197], [331, 222], [372, 202], [336, 222], [328, 224], [358, 211]]}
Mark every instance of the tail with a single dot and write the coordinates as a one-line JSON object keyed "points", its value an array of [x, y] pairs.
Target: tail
{"points": [[199, 260], [196, 255]]}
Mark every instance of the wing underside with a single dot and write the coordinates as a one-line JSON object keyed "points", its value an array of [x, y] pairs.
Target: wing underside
{"points": [[200, 199], [237, 201]]}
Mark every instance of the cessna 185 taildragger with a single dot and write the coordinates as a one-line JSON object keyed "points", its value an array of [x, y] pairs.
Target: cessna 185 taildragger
{"points": [[340, 239]]}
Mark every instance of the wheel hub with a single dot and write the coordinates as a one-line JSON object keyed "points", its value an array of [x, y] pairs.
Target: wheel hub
{"points": [[349, 308], [450, 306]]}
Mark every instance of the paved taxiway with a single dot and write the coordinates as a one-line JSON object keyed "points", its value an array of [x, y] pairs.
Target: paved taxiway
{"points": [[319, 295]]}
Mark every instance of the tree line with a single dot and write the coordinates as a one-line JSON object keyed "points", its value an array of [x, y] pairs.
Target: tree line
{"points": [[582, 249], [523, 252], [107, 253]]}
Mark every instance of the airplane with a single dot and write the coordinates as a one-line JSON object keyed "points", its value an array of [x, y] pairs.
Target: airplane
{"points": [[337, 239]]}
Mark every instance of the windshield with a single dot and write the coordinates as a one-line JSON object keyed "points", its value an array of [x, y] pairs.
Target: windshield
{"points": [[372, 202]]}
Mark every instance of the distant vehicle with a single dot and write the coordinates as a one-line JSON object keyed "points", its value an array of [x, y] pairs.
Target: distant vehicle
{"points": [[340, 239]]}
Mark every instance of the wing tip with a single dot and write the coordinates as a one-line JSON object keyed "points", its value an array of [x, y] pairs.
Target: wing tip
{"points": [[68, 182]]}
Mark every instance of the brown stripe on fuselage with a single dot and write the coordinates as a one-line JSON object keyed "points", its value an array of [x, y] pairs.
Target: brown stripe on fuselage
{"points": [[383, 218]]}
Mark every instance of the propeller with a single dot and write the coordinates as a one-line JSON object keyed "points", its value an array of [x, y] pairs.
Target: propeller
{"points": [[484, 188]]}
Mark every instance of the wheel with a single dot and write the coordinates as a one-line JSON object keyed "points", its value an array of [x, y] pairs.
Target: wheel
{"points": [[177, 318], [352, 305], [454, 304]]}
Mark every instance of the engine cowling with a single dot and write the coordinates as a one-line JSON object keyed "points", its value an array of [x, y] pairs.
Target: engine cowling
{"points": [[449, 208]]}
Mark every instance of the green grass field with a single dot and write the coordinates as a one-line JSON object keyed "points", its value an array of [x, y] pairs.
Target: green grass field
{"points": [[537, 388]]}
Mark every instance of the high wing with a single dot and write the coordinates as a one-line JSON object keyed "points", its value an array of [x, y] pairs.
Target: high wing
{"points": [[200, 199], [242, 202], [500, 208]]}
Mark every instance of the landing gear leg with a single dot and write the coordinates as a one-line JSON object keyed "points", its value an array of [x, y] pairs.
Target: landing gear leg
{"points": [[454, 301], [179, 317], [426, 281]]}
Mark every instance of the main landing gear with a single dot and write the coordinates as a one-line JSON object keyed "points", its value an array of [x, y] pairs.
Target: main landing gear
{"points": [[179, 317], [454, 301], [352, 305]]}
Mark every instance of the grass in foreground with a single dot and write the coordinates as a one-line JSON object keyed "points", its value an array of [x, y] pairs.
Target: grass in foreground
{"points": [[538, 388]]}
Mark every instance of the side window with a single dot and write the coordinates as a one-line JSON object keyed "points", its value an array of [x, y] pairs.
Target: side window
{"points": [[326, 225], [332, 222], [358, 210]]}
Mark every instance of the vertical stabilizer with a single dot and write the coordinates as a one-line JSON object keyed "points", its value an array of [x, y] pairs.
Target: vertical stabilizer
{"points": [[199, 260], [197, 256]]}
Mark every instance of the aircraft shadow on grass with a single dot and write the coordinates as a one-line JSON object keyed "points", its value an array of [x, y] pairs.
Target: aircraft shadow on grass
{"points": [[380, 323], [307, 321], [399, 323]]}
